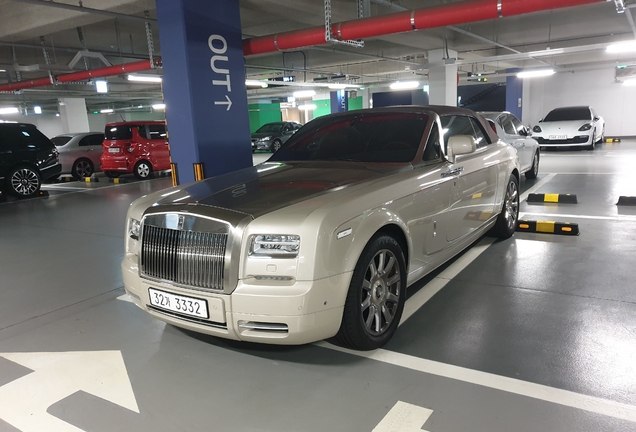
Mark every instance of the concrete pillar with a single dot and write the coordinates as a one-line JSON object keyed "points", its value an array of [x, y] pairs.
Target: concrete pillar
{"points": [[514, 93], [204, 87], [73, 115], [442, 76], [339, 101], [366, 97]]}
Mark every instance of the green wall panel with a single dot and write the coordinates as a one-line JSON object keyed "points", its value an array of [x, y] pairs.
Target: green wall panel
{"points": [[355, 103], [323, 107], [261, 114]]}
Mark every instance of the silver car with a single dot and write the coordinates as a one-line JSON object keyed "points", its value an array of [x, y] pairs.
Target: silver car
{"points": [[513, 132], [79, 153]]}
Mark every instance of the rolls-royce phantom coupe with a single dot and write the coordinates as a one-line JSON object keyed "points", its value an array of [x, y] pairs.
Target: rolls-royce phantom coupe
{"points": [[324, 238]]}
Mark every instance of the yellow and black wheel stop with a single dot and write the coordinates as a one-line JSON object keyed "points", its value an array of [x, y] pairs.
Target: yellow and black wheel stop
{"points": [[612, 140], [548, 227], [626, 200], [553, 198], [117, 180], [91, 179]]}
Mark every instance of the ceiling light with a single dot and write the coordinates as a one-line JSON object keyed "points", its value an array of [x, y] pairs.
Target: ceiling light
{"points": [[304, 94], [2, 70], [159, 106], [307, 107], [338, 86], [101, 86], [9, 110], [107, 111], [255, 83], [622, 47], [37, 109], [57, 114], [404, 85], [145, 78], [536, 73]]}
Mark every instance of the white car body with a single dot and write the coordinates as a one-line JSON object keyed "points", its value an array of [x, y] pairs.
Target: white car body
{"points": [[576, 127], [434, 208], [512, 131]]}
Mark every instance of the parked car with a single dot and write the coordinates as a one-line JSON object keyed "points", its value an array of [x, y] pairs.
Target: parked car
{"points": [[271, 136], [79, 153], [577, 126], [323, 239], [27, 157], [135, 147], [512, 131]]}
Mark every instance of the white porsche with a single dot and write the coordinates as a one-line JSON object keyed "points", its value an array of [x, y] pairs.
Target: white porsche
{"points": [[578, 126]]}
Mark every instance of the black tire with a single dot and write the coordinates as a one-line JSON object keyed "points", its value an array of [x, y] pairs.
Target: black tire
{"points": [[591, 146], [82, 168], [507, 221], [142, 170], [276, 145], [112, 174], [23, 182], [379, 281], [602, 138], [534, 169]]}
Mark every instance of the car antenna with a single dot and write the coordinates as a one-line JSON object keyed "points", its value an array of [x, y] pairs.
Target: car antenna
{"points": [[122, 118]]}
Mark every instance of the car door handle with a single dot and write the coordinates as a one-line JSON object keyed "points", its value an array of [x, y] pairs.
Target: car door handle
{"points": [[453, 172]]}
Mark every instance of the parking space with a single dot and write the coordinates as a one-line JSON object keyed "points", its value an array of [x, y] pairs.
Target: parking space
{"points": [[535, 333]]}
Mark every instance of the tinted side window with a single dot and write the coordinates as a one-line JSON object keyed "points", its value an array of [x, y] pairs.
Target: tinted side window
{"points": [[157, 132], [433, 149], [118, 132], [479, 134], [85, 142], [517, 124], [507, 125], [22, 137], [143, 132], [60, 140], [455, 125]]}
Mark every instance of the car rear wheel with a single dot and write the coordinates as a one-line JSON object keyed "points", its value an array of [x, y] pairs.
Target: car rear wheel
{"points": [[276, 145], [376, 296], [82, 168], [534, 169], [142, 170], [112, 174], [507, 221], [23, 182]]}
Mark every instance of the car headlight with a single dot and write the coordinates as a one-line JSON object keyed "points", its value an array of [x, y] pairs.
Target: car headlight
{"points": [[536, 129], [134, 227], [275, 246], [585, 127], [264, 139]]}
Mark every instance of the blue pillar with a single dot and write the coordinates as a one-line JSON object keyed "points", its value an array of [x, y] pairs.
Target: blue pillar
{"points": [[339, 101], [514, 93], [204, 86]]}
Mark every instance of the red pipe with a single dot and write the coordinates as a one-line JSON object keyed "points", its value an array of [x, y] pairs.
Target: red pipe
{"points": [[438, 16], [80, 76]]}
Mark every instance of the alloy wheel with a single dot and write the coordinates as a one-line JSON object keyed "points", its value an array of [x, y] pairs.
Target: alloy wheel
{"points": [[25, 181], [380, 292], [83, 169], [512, 205]]}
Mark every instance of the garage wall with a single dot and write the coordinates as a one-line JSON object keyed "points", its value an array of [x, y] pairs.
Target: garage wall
{"points": [[616, 103]]}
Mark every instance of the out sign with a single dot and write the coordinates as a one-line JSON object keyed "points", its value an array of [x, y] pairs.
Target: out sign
{"points": [[218, 64]]}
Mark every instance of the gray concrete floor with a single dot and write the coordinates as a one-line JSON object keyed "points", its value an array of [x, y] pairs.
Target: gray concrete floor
{"points": [[537, 333]]}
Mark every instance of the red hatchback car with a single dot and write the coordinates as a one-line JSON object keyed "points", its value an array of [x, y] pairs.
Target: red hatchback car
{"points": [[135, 147]]}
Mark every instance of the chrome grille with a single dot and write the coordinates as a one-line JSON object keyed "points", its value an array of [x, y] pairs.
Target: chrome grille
{"points": [[191, 258]]}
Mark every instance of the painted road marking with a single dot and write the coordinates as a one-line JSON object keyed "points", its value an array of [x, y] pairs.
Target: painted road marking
{"points": [[24, 402], [536, 187], [536, 391], [126, 298], [571, 216], [404, 417]]}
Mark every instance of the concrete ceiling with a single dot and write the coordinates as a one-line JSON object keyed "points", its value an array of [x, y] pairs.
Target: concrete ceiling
{"points": [[584, 29]]}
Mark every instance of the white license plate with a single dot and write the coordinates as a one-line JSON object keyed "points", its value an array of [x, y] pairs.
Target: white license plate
{"points": [[178, 303], [113, 150], [558, 137]]}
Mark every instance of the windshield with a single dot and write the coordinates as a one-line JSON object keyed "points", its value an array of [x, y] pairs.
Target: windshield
{"points": [[568, 114], [118, 132], [377, 137], [270, 128], [60, 140]]}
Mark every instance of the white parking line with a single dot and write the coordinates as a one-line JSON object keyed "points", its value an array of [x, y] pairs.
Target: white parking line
{"points": [[536, 391], [571, 216], [539, 184]]}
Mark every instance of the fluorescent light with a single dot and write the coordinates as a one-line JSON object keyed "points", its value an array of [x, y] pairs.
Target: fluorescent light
{"points": [[159, 106], [256, 83], [338, 86], [101, 86], [145, 78], [57, 114], [9, 110], [631, 82], [2, 70], [37, 109], [536, 73], [622, 47], [426, 88], [404, 85], [307, 107], [304, 94], [107, 111]]}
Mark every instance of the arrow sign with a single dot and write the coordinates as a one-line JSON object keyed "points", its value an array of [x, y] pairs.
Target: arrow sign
{"points": [[228, 103], [25, 401], [404, 417]]}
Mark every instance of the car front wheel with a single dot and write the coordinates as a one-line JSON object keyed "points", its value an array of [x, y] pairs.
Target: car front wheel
{"points": [[376, 296], [23, 182], [507, 221], [534, 169], [276, 145], [142, 170]]}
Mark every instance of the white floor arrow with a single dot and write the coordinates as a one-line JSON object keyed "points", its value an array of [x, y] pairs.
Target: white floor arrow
{"points": [[24, 402], [404, 417]]}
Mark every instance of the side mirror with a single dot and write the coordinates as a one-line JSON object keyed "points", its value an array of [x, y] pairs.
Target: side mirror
{"points": [[460, 145], [540, 120], [597, 118]]}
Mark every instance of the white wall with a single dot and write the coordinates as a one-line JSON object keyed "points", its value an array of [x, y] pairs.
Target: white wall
{"points": [[48, 124], [615, 102]]}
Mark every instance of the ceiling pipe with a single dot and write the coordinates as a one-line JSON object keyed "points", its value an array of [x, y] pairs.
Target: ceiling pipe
{"points": [[437, 16], [81, 75], [83, 9]]}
